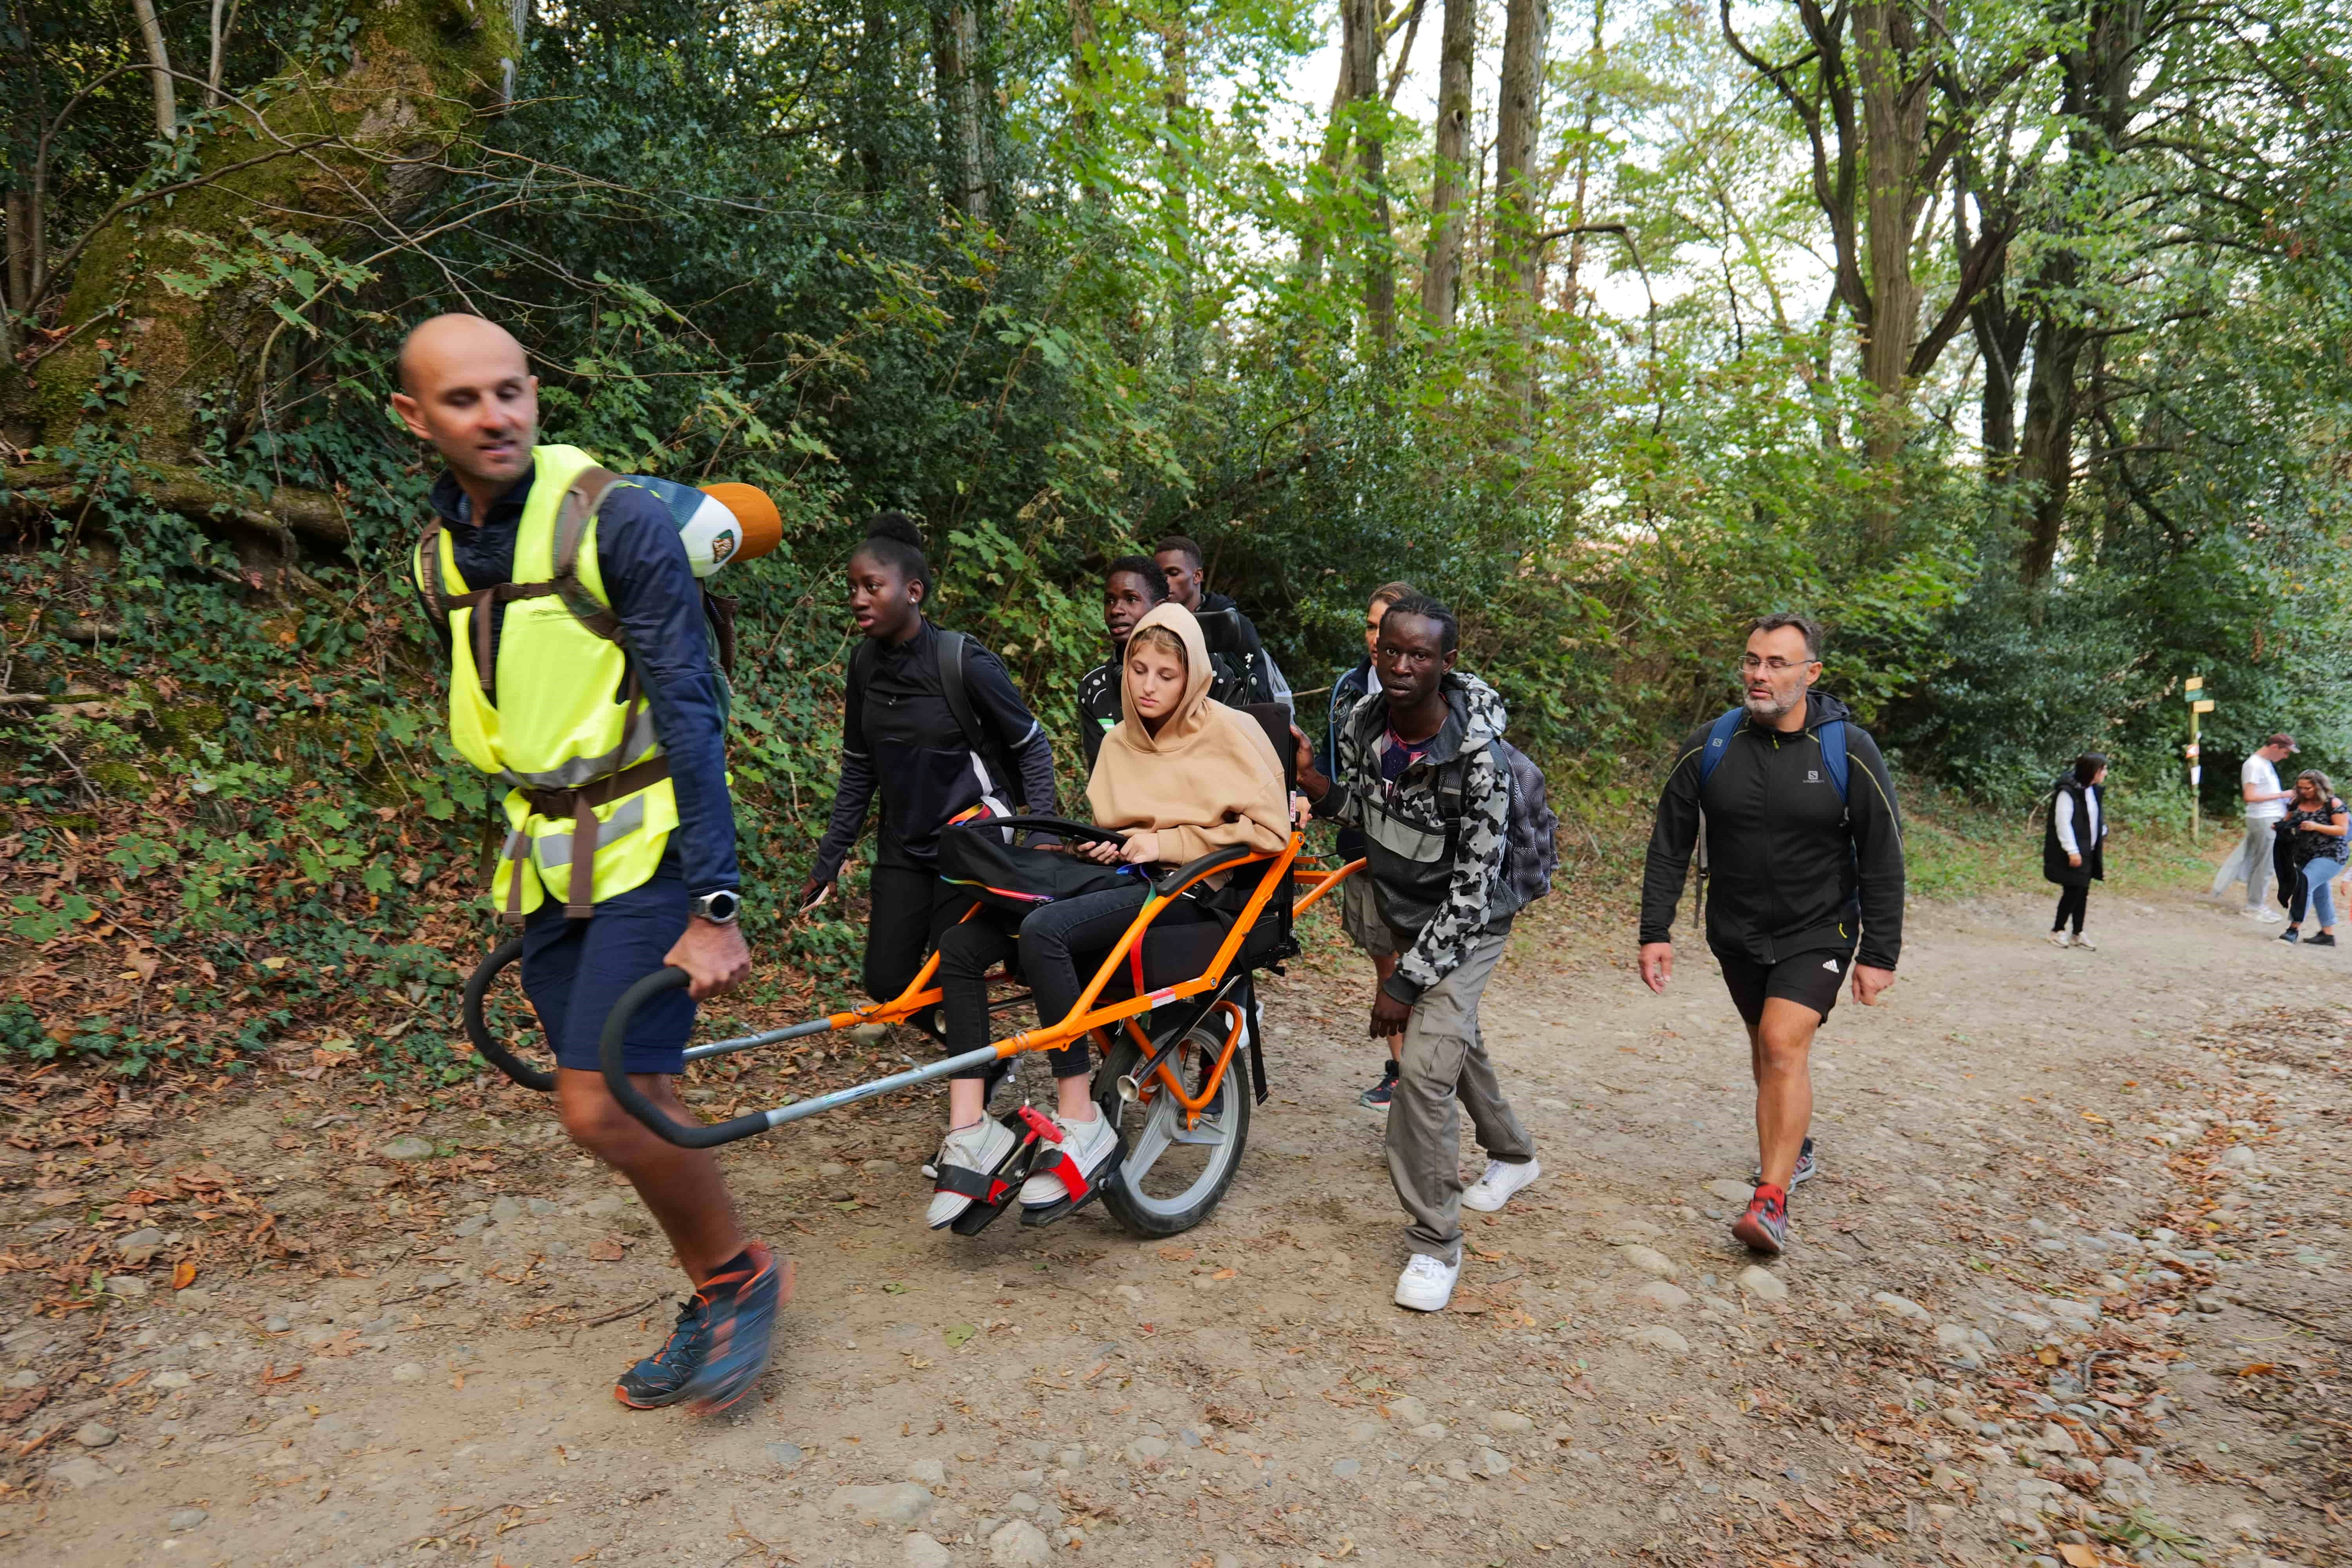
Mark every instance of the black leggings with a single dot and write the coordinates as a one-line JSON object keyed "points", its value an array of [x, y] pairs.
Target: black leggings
{"points": [[1049, 941], [2072, 902]]}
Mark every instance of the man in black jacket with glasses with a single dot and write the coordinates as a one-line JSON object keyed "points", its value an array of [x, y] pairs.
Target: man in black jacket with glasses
{"points": [[1804, 851]]}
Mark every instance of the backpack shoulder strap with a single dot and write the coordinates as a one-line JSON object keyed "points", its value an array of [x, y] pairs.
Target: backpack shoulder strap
{"points": [[954, 648], [425, 562], [1832, 736], [578, 510], [1718, 736]]}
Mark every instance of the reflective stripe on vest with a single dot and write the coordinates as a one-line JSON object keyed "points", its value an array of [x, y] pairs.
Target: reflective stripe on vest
{"points": [[565, 714]]}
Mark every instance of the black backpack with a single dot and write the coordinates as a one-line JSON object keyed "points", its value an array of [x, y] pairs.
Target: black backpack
{"points": [[1531, 847]]}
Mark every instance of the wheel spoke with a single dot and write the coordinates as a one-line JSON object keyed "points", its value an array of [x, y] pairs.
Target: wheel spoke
{"points": [[1151, 1140]]}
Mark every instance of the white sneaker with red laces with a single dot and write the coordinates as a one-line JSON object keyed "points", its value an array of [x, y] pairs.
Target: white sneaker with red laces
{"points": [[1088, 1143]]}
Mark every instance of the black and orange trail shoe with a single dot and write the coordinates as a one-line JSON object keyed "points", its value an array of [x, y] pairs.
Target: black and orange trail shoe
{"points": [[1765, 1226], [663, 1377], [745, 1296]]}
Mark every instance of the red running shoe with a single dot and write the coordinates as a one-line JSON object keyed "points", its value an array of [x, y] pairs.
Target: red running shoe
{"points": [[1765, 1226]]}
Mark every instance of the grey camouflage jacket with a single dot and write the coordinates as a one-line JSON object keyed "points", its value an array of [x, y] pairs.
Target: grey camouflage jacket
{"points": [[1458, 756]]}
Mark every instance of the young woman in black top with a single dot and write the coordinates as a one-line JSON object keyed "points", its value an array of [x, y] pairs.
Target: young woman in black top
{"points": [[2074, 842], [2316, 820], [900, 738]]}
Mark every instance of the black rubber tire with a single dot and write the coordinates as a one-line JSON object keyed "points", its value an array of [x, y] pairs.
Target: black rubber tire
{"points": [[1124, 1197]]}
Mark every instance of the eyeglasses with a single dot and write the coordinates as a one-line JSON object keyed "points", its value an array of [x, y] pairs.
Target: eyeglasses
{"points": [[1750, 664]]}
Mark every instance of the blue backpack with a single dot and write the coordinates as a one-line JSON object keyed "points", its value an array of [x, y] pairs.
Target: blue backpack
{"points": [[1832, 735]]}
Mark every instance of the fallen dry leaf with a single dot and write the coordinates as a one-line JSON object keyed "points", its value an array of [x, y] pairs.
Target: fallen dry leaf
{"points": [[184, 1274], [2078, 1554], [608, 1250]]}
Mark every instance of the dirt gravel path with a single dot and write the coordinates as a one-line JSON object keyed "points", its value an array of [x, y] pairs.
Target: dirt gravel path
{"points": [[2070, 1288]]}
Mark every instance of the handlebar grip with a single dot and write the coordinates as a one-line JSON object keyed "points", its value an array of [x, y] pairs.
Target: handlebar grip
{"points": [[613, 1056], [477, 1028]]}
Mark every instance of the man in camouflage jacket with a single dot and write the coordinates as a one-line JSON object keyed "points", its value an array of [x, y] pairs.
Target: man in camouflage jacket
{"points": [[1433, 803]]}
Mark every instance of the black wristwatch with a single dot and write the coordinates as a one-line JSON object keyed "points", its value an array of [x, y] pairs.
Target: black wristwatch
{"points": [[720, 908]]}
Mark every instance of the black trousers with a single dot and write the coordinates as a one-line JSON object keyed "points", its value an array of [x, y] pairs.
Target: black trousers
{"points": [[1049, 943], [911, 909], [2072, 902]]}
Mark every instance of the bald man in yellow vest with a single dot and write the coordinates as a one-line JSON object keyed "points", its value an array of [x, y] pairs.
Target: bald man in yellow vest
{"points": [[591, 690]]}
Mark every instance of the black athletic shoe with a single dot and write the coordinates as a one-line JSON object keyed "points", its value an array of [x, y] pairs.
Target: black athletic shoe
{"points": [[1804, 1174], [1380, 1094], [2290, 934], [2323, 939], [744, 1297], [663, 1377]]}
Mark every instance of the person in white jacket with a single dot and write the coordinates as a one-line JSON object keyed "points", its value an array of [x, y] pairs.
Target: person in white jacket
{"points": [[2265, 803]]}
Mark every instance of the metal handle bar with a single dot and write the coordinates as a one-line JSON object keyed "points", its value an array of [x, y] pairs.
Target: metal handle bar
{"points": [[613, 1056], [1053, 824], [477, 1028], [1215, 860]]}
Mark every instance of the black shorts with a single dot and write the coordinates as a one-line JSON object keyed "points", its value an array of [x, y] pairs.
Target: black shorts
{"points": [[1808, 979], [575, 970]]}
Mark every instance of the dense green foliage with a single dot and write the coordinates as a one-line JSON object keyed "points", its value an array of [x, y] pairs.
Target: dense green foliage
{"points": [[1119, 287]]}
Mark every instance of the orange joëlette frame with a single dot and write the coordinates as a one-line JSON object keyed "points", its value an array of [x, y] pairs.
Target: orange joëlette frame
{"points": [[1084, 1017]]}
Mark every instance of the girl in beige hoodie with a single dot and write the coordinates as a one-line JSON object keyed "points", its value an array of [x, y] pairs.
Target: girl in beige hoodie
{"points": [[1179, 776]]}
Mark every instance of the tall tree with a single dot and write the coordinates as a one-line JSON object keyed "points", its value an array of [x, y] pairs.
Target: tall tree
{"points": [[1887, 99], [1440, 269], [1518, 244], [955, 66]]}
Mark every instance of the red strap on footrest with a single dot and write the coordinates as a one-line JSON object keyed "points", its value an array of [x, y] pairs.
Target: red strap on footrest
{"points": [[1065, 1169]]}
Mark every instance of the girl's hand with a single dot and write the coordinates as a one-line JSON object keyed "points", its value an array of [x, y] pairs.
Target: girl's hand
{"points": [[1142, 848], [2306, 826], [2075, 860], [1101, 851]]}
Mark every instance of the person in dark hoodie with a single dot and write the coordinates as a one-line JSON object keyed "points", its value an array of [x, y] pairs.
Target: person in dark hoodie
{"points": [[1807, 886], [1233, 640], [1424, 785], [2074, 844]]}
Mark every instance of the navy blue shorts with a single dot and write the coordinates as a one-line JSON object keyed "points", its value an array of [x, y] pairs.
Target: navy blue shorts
{"points": [[575, 970]]}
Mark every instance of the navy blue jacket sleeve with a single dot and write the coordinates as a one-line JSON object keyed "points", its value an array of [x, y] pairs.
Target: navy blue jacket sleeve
{"points": [[654, 592], [1000, 708], [852, 798]]}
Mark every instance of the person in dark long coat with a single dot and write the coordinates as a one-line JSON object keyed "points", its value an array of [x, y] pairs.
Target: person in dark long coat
{"points": [[2074, 845]]}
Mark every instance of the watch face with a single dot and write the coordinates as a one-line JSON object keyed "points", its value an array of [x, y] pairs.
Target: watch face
{"points": [[721, 906]]}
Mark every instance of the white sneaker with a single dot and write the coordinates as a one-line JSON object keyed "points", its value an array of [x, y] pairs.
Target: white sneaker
{"points": [[2058, 939], [979, 1147], [1088, 1143], [2086, 944], [1427, 1283], [2269, 917], [1493, 1190]]}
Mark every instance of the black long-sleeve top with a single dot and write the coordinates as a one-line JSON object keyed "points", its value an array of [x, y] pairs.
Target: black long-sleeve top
{"points": [[1793, 867], [901, 740]]}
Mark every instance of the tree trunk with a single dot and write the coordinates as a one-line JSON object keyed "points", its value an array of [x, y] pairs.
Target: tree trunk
{"points": [[955, 60], [1360, 67], [1895, 123], [2045, 457], [1440, 269], [336, 165], [159, 70], [1176, 105], [1085, 73], [1526, 25]]}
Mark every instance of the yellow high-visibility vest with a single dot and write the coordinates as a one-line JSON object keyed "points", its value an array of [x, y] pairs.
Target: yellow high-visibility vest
{"points": [[559, 715]]}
